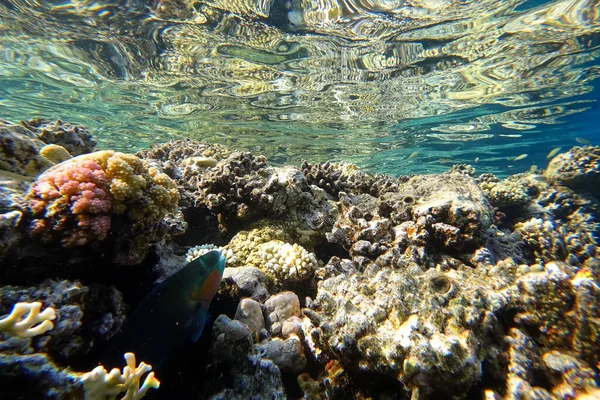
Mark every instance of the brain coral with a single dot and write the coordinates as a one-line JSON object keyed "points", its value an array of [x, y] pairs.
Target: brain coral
{"points": [[76, 201]]}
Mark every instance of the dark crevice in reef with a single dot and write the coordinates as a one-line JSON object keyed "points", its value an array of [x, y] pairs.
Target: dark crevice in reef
{"points": [[324, 251], [493, 377], [203, 228]]}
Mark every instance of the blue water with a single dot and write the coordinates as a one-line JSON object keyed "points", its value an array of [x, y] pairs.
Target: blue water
{"points": [[391, 87]]}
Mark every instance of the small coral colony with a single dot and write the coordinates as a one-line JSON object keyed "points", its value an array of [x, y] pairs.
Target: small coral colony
{"points": [[318, 282]]}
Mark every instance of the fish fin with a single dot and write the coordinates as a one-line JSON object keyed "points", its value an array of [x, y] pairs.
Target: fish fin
{"points": [[196, 323]]}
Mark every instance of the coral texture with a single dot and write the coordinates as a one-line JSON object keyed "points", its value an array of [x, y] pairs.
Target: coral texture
{"points": [[19, 150], [284, 262], [77, 200], [513, 191], [185, 161], [427, 329], [579, 168], [343, 177], [55, 153], [76, 139]]}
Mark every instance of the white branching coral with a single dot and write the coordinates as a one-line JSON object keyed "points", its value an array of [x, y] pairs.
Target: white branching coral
{"points": [[26, 320], [197, 251], [100, 384]]}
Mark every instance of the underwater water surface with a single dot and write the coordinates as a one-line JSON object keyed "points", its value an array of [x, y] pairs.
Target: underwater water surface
{"points": [[394, 86]]}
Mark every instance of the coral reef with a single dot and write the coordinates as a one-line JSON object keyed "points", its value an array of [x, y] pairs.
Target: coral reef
{"points": [[429, 329], [185, 161], [76, 139], [513, 191], [246, 282], [339, 283], [85, 315], [342, 177], [252, 376], [550, 375], [35, 145], [578, 169], [19, 150]]}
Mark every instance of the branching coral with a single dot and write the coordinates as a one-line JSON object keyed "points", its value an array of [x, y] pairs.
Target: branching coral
{"points": [[101, 385], [197, 251], [34, 322]]}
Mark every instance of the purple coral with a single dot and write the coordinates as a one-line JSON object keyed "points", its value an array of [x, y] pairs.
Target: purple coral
{"points": [[80, 186]]}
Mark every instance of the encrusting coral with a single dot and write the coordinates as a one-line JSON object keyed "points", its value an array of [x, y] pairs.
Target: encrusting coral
{"points": [[55, 153]]}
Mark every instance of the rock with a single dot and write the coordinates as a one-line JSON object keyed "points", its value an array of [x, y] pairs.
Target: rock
{"points": [[248, 281], [279, 308], [249, 312], [287, 354]]}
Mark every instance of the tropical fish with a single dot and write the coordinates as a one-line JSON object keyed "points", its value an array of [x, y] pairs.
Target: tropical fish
{"points": [[177, 308], [532, 169], [582, 140], [553, 152], [413, 155], [517, 158]]}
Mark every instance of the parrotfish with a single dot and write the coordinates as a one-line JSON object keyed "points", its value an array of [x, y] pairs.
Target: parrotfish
{"points": [[177, 308]]}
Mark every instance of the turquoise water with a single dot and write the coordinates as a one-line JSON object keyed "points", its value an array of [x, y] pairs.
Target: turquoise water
{"points": [[393, 86]]}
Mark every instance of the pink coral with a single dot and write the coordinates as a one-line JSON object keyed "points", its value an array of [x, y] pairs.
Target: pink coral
{"points": [[77, 203], [79, 186]]}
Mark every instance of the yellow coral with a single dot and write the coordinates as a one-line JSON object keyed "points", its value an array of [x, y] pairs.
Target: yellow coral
{"points": [[35, 323], [100, 384], [244, 242], [125, 171], [142, 191], [310, 387], [284, 262], [55, 153]]}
